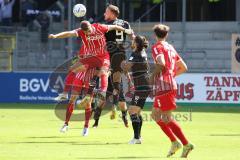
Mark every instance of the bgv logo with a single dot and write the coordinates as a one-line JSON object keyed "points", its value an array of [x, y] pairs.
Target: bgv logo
{"points": [[33, 85]]}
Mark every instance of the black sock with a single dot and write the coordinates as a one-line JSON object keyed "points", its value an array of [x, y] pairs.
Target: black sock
{"points": [[115, 99], [140, 126], [135, 124], [97, 114], [124, 113], [93, 106], [92, 85]]}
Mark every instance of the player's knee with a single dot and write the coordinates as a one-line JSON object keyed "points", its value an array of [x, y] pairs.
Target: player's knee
{"points": [[156, 115], [166, 118], [122, 105], [88, 105], [102, 104], [73, 98]]}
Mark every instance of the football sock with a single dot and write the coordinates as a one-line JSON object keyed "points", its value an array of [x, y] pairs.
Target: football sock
{"points": [[92, 85], [124, 114], [166, 129], [135, 124], [176, 129], [104, 83], [88, 113], [69, 112], [97, 113], [140, 126]]}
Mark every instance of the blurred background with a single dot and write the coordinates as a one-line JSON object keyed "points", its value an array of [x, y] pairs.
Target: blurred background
{"points": [[202, 31]]}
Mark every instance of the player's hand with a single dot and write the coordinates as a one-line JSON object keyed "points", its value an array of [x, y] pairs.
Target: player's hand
{"points": [[128, 31], [52, 36]]}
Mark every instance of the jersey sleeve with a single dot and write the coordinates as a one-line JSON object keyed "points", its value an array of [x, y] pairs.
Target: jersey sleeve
{"points": [[78, 31], [103, 28], [127, 25], [156, 52], [178, 57]]}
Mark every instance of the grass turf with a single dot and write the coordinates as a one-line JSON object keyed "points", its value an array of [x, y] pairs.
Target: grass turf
{"points": [[30, 131]]}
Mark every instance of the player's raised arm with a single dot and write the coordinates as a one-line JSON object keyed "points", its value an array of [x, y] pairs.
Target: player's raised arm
{"points": [[65, 34], [130, 36]]}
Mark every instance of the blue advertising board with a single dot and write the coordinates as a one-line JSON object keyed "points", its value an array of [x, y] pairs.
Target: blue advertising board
{"points": [[29, 87]]}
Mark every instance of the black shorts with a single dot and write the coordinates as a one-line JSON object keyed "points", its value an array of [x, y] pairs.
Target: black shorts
{"points": [[140, 97], [110, 90], [116, 59]]}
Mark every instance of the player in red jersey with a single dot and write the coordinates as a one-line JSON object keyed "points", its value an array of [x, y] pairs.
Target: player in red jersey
{"points": [[70, 78], [79, 84], [168, 65], [93, 53]]}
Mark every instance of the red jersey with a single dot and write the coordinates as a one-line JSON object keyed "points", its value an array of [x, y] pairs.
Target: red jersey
{"points": [[81, 51], [94, 43], [165, 81]]}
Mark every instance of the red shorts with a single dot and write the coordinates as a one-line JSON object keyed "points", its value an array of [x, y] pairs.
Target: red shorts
{"points": [[165, 102], [97, 61], [82, 79]]}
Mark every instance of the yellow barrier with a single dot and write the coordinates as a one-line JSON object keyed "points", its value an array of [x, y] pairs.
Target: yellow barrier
{"points": [[7, 46]]}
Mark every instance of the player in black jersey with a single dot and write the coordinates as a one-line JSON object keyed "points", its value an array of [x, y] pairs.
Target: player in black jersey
{"points": [[115, 42], [138, 65]]}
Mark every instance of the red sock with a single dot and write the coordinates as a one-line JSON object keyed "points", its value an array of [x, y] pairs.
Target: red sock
{"points": [[167, 130], [68, 81], [88, 113], [104, 82], [176, 129], [69, 112]]}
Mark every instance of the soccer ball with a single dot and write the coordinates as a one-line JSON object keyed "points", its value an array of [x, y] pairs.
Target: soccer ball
{"points": [[79, 10]]}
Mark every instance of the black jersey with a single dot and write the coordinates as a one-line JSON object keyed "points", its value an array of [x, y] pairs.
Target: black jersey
{"points": [[140, 69], [116, 38]]}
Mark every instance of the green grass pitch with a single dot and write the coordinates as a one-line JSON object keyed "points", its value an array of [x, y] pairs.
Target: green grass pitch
{"points": [[30, 131]]}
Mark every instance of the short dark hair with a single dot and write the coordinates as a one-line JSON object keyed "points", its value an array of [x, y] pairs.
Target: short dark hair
{"points": [[141, 43], [114, 9], [161, 30], [84, 25]]}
